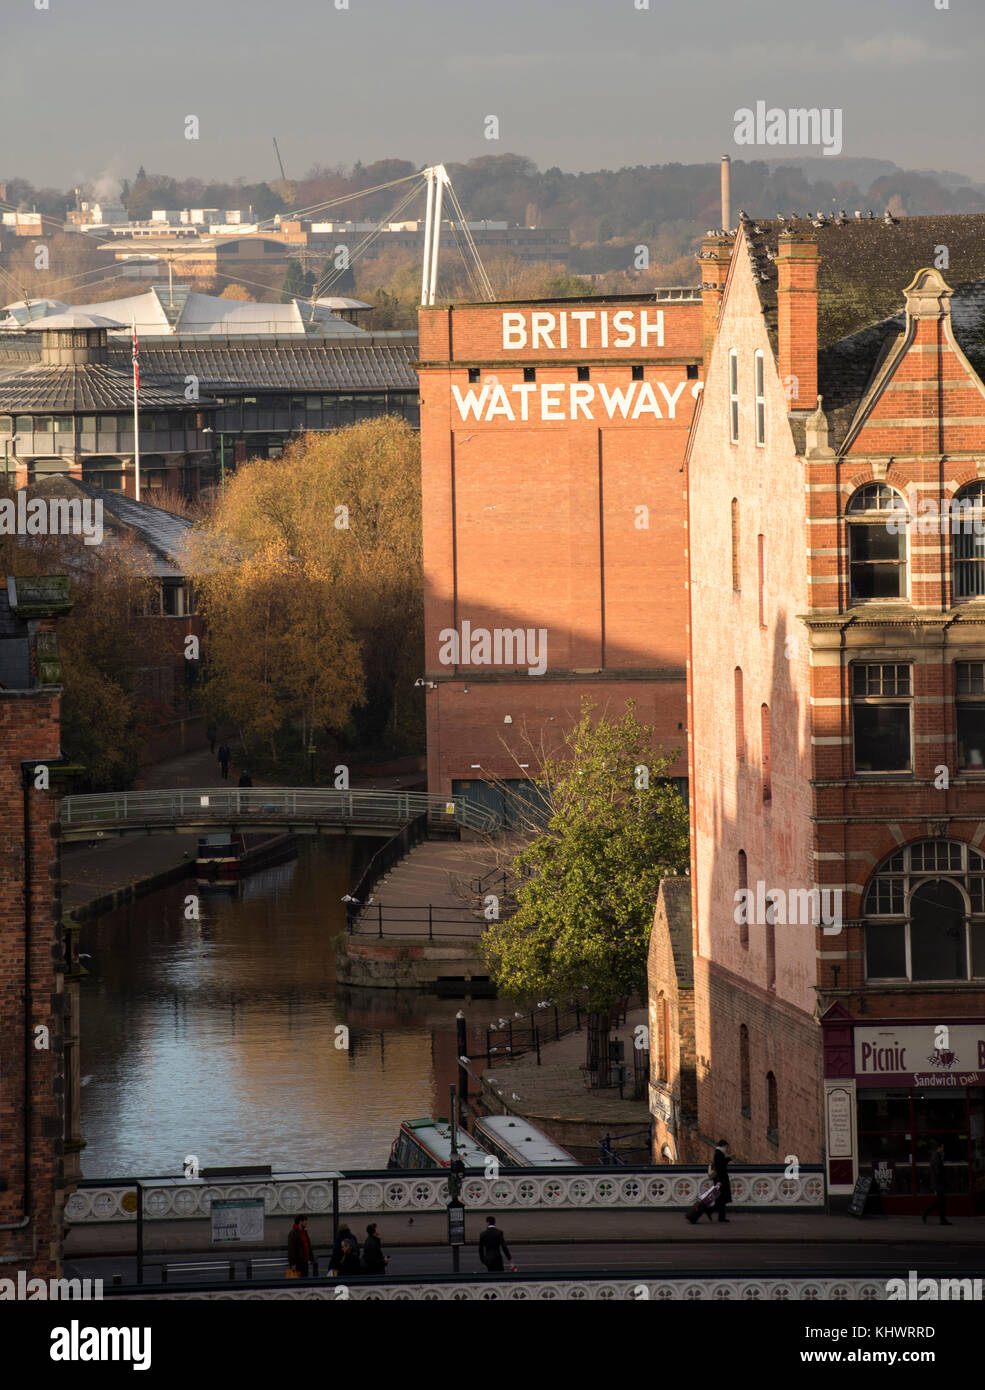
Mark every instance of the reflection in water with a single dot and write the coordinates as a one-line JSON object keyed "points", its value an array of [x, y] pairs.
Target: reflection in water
{"points": [[217, 1037]]}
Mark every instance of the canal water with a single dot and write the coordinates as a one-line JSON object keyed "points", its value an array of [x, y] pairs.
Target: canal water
{"points": [[217, 1037]]}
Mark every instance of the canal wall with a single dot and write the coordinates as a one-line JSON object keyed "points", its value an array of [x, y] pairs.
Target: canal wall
{"points": [[407, 962]]}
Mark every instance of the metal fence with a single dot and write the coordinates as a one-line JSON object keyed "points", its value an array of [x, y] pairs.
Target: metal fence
{"points": [[265, 805], [380, 920]]}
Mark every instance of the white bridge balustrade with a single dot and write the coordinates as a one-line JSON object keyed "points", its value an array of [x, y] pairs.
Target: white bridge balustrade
{"points": [[711, 1288], [168, 1199], [304, 810]]}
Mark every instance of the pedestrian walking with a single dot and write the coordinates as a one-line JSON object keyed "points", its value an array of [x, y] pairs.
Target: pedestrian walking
{"points": [[224, 755], [299, 1255], [718, 1169], [210, 734], [245, 780], [374, 1260], [492, 1247], [939, 1184], [338, 1252]]}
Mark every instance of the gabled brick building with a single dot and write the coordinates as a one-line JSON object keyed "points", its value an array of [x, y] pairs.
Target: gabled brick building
{"points": [[39, 1063], [837, 702]]}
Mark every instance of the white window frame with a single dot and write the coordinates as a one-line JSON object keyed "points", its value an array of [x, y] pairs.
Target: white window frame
{"points": [[733, 395], [759, 391]]}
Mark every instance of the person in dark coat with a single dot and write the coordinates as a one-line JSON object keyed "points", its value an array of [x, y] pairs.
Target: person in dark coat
{"points": [[939, 1183], [721, 1160], [245, 780], [374, 1260], [492, 1247], [224, 755], [335, 1260], [349, 1257], [299, 1255]]}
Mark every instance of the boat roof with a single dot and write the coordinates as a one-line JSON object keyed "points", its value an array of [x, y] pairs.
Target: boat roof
{"points": [[436, 1135], [530, 1144]]}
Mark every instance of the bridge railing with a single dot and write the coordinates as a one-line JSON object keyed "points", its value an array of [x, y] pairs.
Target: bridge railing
{"points": [[219, 805], [662, 1187]]}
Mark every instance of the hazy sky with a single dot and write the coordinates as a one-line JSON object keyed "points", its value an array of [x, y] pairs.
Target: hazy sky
{"points": [[95, 88]]}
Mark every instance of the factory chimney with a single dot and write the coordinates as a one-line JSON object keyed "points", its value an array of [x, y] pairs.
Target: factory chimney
{"points": [[726, 194]]}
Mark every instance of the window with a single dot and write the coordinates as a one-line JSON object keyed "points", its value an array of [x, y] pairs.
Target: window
{"points": [[6, 424], [637, 373], [764, 727], [924, 911], [530, 373], [733, 395], [584, 374], [761, 566], [881, 714], [745, 1090], [770, 941], [736, 576], [474, 374], [877, 543], [760, 384], [970, 689], [692, 371], [740, 718], [772, 1110], [63, 424], [663, 1050], [968, 530], [743, 875]]}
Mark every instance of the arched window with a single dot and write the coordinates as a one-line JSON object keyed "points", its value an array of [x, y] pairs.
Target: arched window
{"points": [[744, 885], [770, 942], [967, 513], [745, 1089], [772, 1110], [767, 752], [924, 913], [736, 576], [877, 518], [740, 718], [664, 1038]]}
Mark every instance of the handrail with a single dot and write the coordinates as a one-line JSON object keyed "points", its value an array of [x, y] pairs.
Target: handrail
{"points": [[218, 805]]}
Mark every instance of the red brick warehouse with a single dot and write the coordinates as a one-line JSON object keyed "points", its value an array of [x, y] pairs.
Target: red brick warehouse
{"points": [[552, 437], [837, 704]]}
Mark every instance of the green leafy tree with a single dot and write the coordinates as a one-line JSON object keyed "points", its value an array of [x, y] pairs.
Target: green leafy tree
{"points": [[298, 283], [587, 883]]}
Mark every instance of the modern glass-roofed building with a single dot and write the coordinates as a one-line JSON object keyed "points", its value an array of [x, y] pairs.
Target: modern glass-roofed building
{"points": [[264, 373]]}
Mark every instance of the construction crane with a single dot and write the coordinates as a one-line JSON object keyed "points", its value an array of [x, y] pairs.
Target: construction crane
{"points": [[279, 160]]}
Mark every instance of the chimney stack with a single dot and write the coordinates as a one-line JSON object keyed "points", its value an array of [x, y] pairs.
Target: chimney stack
{"points": [[726, 194], [715, 257], [797, 263]]}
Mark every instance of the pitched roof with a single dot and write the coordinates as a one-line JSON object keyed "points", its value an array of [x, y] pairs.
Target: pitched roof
{"points": [[89, 387], [865, 267], [162, 535], [303, 366]]}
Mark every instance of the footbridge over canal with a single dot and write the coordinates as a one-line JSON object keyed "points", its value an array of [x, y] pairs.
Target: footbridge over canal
{"points": [[299, 810]]}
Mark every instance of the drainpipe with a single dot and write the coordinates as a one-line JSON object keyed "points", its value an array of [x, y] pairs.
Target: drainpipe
{"points": [[26, 799]]}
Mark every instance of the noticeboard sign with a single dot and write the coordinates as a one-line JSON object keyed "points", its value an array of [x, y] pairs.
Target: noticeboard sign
{"points": [[238, 1219], [456, 1223]]}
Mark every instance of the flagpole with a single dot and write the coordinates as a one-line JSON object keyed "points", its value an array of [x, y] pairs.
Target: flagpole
{"points": [[136, 414]]}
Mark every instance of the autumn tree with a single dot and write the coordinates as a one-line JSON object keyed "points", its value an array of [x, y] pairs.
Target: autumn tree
{"points": [[342, 510], [606, 826], [280, 651], [107, 645]]}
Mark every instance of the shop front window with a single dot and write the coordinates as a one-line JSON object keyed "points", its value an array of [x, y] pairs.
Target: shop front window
{"points": [[924, 911], [898, 1130]]}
